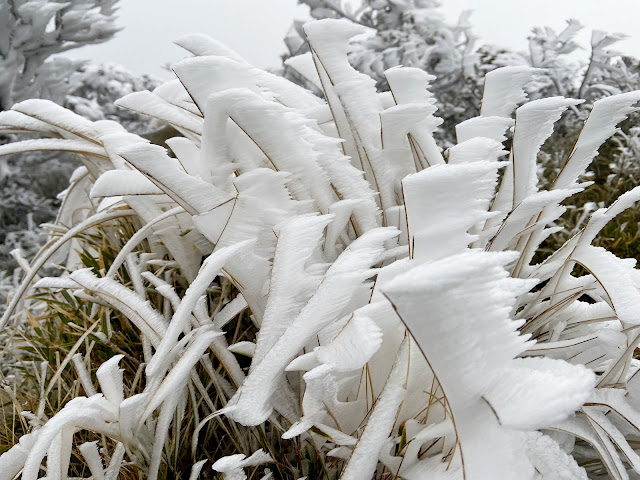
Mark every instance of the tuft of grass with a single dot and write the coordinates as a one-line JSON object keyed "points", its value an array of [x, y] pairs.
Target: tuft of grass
{"points": [[38, 377]]}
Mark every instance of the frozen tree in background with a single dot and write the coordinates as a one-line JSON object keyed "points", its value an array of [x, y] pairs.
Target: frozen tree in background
{"points": [[96, 87], [605, 72], [32, 31]]}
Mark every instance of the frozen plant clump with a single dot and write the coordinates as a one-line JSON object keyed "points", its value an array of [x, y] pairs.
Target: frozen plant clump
{"points": [[389, 319]]}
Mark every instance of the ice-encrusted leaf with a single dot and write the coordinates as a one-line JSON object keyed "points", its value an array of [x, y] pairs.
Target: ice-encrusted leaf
{"points": [[481, 275], [364, 459], [465, 374], [353, 101], [602, 216], [90, 413], [174, 93], [261, 204], [16, 122], [201, 45], [251, 405], [113, 470], [232, 466], [554, 390], [207, 75], [58, 454], [163, 422], [410, 86], [56, 282], [196, 469], [619, 278], [150, 323], [110, 377], [489, 127], [194, 195], [603, 345], [177, 377], [551, 460], [12, 461], [209, 270], [152, 105], [230, 310], [291, 285], [618, 401], [354, 92], [432, 468], [188, 154], [581, 428], [411, 466], [242, 105], [534, 124], [53, 114], [432, 195], [243, 348], [601, 124], [524, 218], [91, 455], [397, 122], [303, 64], [123, 182], [289, 143], [54, 144], [504, 90], [602, 423], [353, 346], [474, 150]]}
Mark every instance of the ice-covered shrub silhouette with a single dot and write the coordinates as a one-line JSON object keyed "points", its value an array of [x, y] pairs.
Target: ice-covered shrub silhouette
{"points": [[31, 31], [402, 328]]}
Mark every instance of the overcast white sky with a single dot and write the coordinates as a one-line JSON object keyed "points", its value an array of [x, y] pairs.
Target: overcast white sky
{"points": [[255, 28]]}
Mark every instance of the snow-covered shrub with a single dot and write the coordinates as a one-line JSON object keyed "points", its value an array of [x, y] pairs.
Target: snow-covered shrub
{"points": [[96, 87], [401, 328], [33, 30]]}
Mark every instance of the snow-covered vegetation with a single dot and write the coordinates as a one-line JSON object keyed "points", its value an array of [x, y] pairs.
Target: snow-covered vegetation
{"points": [[31, 31], [310, 286]]}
